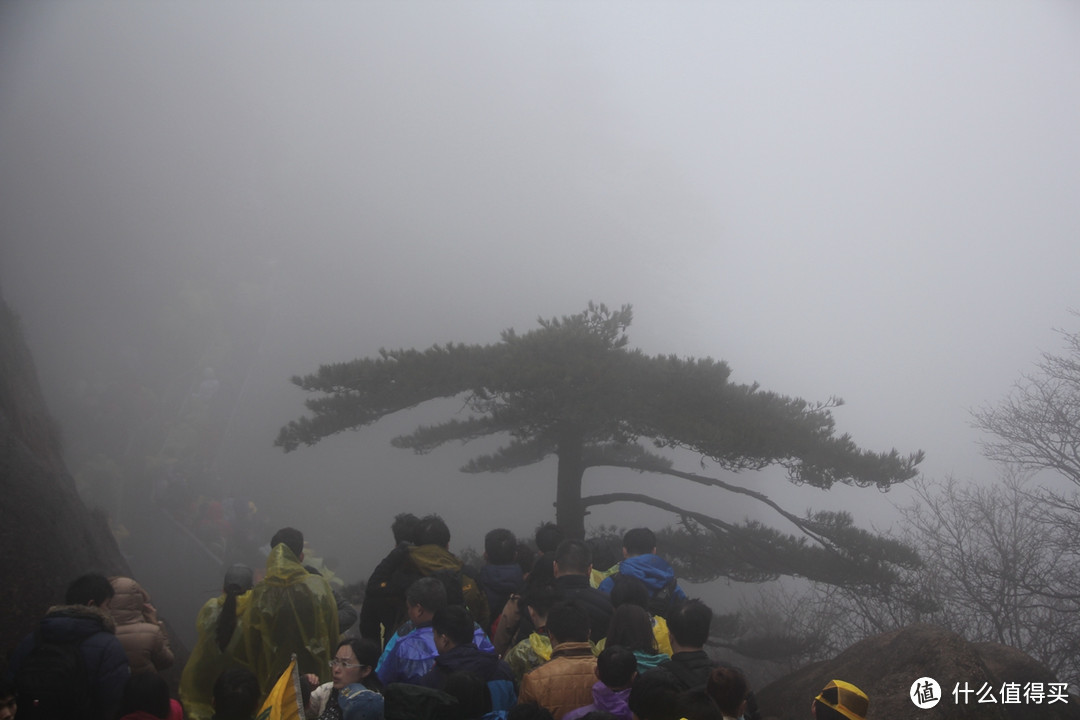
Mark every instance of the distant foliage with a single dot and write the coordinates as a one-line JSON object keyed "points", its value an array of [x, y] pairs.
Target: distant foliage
{"points": [[996, 568]]}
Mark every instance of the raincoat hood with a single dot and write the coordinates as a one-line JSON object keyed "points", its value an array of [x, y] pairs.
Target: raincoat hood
{"points": [[432, 558], [129, 602], [652, 570], [612, 701], [283, 568], [605, 700], [541, 645], [290, 611]]}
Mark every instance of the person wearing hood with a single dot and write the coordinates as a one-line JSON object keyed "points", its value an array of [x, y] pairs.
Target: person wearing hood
{"points": [[411, 652], [220, 642], [82, 623], [641, 561], [453, 631], [138, 628], [432, 558], [616, 668], [290, 612]]}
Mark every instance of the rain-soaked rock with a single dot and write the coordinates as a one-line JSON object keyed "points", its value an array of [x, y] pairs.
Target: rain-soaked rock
{"points": [[887, 666], [48, 535]]}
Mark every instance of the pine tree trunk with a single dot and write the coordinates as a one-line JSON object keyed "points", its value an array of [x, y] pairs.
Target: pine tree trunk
{"points": [[569, 512]]}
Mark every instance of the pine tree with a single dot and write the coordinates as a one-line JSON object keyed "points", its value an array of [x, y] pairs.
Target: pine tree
{"points": [[571, 388]]}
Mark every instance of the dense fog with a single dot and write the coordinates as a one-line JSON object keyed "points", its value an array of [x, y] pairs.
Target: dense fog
{"points": [[871, 201]]}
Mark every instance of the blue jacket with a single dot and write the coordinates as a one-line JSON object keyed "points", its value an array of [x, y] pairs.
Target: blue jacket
{"points": [[411, 653], [651, 569], [496, 673], [103, 656], [357, 702]]}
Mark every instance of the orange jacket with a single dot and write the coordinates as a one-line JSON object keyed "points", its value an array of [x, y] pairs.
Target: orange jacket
{"points": [[565, 682]]}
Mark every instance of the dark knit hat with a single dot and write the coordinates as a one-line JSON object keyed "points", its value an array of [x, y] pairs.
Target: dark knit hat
{"points": [[241, 576]]}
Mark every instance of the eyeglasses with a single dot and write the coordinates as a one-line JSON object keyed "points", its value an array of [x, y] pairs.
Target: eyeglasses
{"points": [[344, 664]]}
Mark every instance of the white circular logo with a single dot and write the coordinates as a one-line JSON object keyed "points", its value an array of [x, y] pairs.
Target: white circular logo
{"points": [[925, 693]]}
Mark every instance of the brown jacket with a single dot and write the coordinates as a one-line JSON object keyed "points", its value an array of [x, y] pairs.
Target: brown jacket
{"points": [[137, 627], [503, 639], [565, 682]]}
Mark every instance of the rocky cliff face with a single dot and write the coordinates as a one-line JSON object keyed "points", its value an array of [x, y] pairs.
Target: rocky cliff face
{"points": [[47, 535]]}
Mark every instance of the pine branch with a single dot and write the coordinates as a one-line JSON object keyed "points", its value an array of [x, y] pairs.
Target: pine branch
{"points": [[511, 456]]}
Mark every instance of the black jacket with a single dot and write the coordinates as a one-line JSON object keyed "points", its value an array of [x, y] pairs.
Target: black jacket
{"points": [[690, 669], [384, 598], [598, 605], [466, 658], [495, 673], [103, 656]]}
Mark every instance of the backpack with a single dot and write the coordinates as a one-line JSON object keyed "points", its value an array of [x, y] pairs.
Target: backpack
{"points": [[415, 702], [463, 590], [452, 580], [53, 682], [662, 602]]}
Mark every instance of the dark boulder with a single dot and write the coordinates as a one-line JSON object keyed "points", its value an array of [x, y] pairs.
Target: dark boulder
{"points": [[885, 667]]}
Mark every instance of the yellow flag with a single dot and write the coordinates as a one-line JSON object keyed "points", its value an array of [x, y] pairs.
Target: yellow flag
{"points": [[284, 701]]}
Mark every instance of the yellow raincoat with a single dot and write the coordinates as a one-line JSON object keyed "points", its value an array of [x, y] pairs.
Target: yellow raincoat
{"points": [[290, 611], [530, 653], [598, 576], [207, 661], [660, 633]]}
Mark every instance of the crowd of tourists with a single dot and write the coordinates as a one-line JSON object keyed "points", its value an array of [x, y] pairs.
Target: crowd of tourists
{"points": [[535, 633]]}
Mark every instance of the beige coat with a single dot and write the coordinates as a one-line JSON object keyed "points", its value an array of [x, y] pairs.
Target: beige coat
{"points": [[507, 627], [563, 683], [137, 627]]}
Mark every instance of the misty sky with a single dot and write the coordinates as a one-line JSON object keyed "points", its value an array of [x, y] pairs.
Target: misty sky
{"points": [[879, 201]]}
